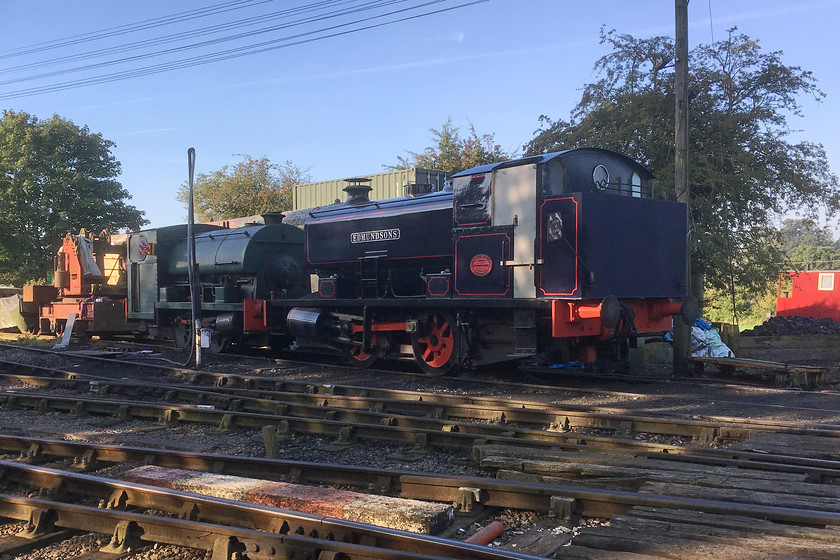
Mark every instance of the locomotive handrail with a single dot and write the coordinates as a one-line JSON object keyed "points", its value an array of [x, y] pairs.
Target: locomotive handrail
{"points": [[521, 263], [378, 203], [213, 236]]}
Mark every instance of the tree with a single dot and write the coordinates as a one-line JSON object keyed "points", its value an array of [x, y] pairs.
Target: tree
{"points": [[451, 153], [253, 186], [803, 231], [815, 257], [55, 178], [744, 169], [750, 308]]}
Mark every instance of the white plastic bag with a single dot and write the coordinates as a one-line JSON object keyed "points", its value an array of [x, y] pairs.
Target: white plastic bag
{"points": [[707, 344], [10, 316], [89, 265]]}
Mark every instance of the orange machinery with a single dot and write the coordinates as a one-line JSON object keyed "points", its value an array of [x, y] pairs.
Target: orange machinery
{"points": [[90, 282]]}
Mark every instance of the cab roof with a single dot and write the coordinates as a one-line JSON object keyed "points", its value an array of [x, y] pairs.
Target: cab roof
{"points": [[543, 158]]}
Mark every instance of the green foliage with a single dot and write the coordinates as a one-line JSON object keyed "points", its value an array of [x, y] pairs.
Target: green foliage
{"points": [[253, 186], [815, 257], [805, 247], [743, 169], [55, 178], [803, 231], [808, 246], [751, 307], [451, 153]]}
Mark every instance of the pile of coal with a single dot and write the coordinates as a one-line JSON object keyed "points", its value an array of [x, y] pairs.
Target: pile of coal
{"points": [[784, 326]]}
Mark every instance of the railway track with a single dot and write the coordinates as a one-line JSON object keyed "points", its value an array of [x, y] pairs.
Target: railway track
{"points": [[594, 500], [222, 527], [265, 379], [390, 407], [564, 499], [552, 379], [425, 420], [325, 416], [715, 482]]}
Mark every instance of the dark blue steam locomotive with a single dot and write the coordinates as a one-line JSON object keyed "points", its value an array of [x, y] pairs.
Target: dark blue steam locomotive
{"points": [[561, 254]]}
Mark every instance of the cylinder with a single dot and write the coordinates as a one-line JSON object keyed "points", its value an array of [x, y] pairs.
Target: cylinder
{"points": [[228, 323], [305, 323]]}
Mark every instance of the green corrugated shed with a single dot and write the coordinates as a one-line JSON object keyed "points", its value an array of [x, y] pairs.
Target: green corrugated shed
{"points": [[384, 185]]}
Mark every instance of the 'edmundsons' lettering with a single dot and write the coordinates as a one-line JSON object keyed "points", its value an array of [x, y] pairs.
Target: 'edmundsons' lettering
{"points": [[380, 235]]}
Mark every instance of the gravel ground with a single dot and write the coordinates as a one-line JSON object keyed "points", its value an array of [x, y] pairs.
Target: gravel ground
{"points": [[666, 396], [82, 544], [208, 439]]}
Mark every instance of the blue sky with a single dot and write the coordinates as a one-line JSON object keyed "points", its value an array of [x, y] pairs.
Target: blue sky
{"points": [[347, 105]]}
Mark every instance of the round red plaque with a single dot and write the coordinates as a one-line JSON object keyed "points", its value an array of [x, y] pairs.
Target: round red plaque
{"points": [[481, 265]]}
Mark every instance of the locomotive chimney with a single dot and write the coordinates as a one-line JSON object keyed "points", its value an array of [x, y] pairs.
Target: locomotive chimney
{"points": [[273, 218], [357, 191]]}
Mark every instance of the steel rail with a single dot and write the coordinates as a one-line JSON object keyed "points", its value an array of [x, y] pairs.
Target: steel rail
{"points": [[315, 530], [342, 424], [493, 492], [134, 531], [243, 384], [347, 425], [245, 380], [604, 503], [460, 407], [593, 502], [376, 409]]}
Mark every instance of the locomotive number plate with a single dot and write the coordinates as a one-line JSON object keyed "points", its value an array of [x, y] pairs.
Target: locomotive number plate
{"points": [[370, 236]]}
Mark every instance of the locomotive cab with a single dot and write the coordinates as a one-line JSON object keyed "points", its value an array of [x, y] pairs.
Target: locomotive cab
{"points": [[526, 213], [571, 229]]}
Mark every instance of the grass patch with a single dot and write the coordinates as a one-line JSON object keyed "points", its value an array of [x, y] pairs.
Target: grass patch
{"points": [[35, 341]]}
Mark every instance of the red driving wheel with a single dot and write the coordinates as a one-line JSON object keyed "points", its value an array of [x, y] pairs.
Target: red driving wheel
{"points": [[436, 345], [359, 357]]}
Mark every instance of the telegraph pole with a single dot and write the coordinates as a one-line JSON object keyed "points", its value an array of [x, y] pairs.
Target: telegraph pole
{"points": [[682, 332]]}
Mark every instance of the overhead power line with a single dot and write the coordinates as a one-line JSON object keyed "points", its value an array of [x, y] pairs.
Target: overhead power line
{"points": [[342, 9], [131, 28], [172, 38], [136, 46]]}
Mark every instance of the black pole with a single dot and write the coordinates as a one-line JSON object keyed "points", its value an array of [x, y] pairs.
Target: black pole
{"points": [[192, 267]]}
